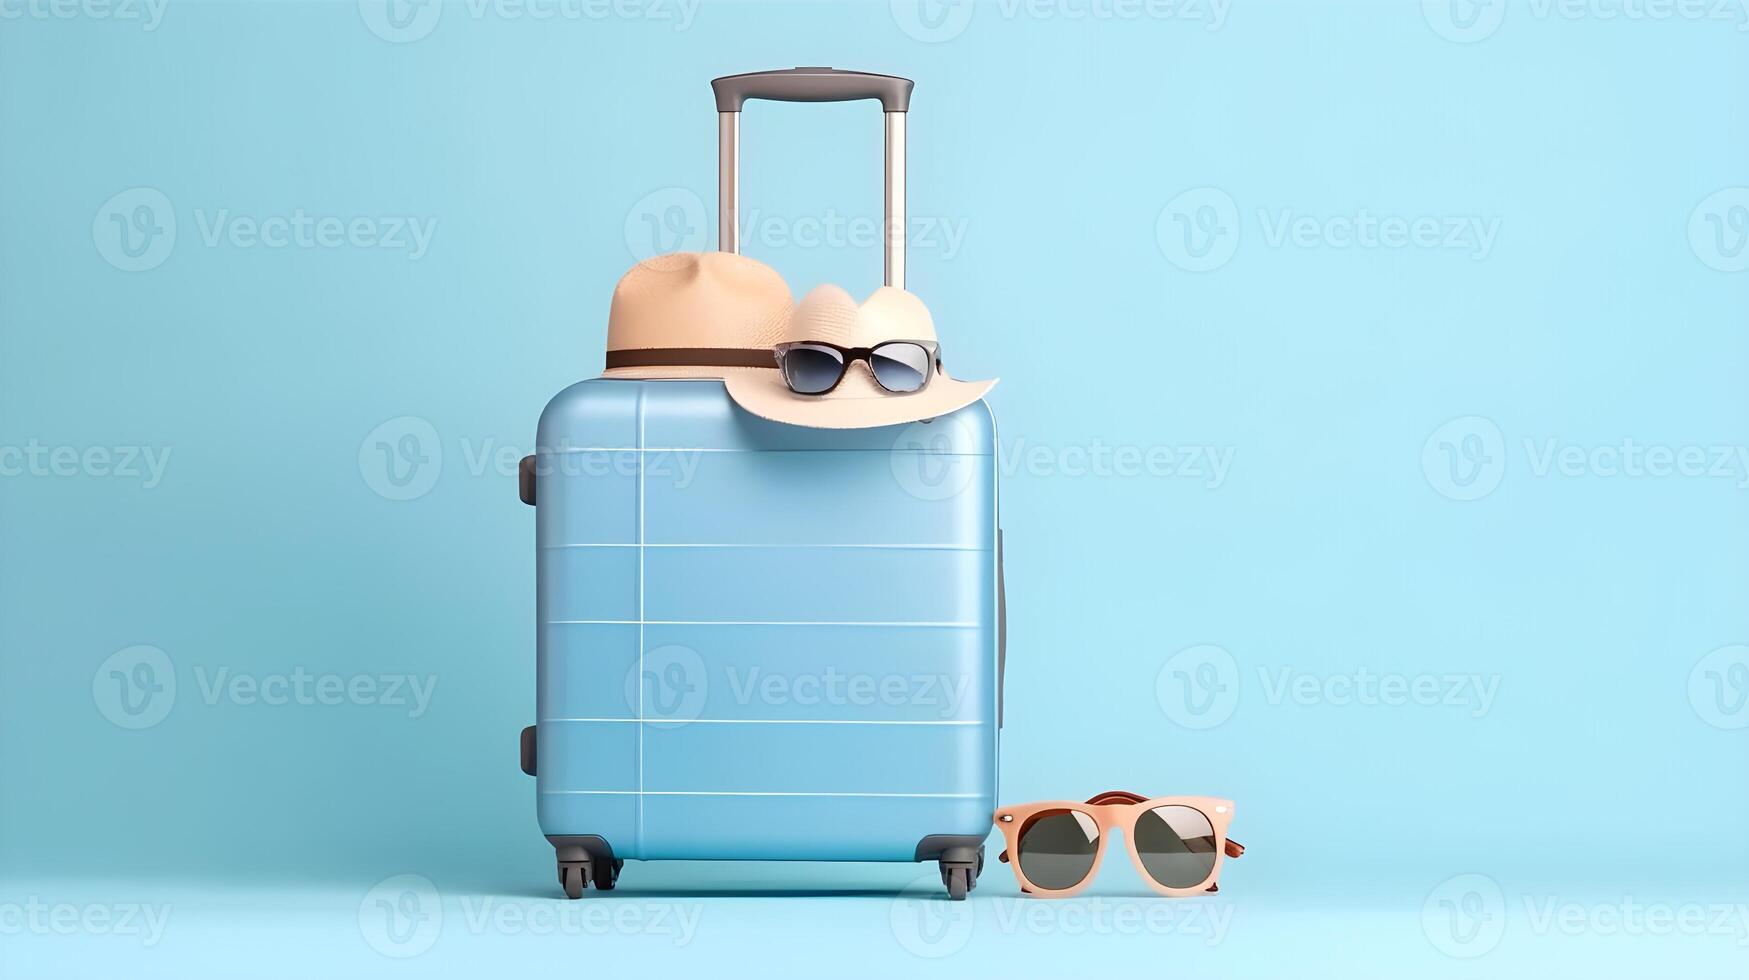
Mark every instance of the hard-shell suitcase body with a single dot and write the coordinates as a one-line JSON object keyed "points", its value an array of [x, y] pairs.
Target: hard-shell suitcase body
{"points": [[762, 641]]}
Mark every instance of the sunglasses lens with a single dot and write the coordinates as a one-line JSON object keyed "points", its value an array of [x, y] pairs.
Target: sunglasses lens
{"points": [[900, 367], [1057, 848], [811, 370], [1177, 846]]}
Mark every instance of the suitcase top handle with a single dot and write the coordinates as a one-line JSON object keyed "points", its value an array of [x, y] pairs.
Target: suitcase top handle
{"points": [[813, 85]]}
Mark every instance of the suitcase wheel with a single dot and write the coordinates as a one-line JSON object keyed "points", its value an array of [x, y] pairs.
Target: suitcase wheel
{"points": [[607, 874], [574, 876], [958, 881], [961, 876]]}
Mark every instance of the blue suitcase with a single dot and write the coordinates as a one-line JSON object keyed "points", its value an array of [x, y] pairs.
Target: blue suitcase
{"points": [[760, 641]]}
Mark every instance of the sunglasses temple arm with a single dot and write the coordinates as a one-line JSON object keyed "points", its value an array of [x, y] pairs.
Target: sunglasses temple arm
{"points": [[1234, 849]]}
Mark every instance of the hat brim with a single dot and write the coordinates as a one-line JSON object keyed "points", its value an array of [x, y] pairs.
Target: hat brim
{"points": [[857, 402]]}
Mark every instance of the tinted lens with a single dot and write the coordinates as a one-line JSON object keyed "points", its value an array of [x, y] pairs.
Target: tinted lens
{"points": [[1177, 845], [1057, 848], [900, 367], [810, 370]]}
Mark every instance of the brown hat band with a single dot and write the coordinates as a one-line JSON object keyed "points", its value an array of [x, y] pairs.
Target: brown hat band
{"points": [[756, 357]]}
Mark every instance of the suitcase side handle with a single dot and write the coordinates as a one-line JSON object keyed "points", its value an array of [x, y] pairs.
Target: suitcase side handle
{"points": [[813, 85], [1001, 633], [525, 481]]}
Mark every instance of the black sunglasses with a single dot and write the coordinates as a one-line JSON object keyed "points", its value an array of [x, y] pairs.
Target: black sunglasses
{"points": [[814, 367]]}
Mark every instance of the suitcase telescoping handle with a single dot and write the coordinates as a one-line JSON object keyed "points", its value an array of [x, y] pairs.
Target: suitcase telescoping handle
{"points": [[813, 85]]}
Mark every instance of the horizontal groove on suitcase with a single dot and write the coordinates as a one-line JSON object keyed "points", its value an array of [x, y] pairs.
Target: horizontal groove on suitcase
{"points": [[757, 622], [788, 673], [778, 585], [652, 544], [705, 504], [774, 721], [690, 760]]}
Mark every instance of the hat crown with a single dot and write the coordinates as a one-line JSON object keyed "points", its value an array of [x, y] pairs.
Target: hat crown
{"points": [[830, 315], [698, 300]]}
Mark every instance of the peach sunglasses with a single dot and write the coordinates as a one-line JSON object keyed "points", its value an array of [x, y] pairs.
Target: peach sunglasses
{"points": [[1187, 838]]}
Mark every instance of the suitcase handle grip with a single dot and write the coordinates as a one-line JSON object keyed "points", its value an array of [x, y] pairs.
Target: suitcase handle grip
{"points": [[813, 85]]}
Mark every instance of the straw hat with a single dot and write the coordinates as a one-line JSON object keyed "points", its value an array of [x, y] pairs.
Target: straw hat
{"points": [[720, 315]]}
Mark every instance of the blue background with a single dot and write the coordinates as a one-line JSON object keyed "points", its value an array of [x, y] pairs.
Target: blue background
{"points": [[1608, 771]]}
